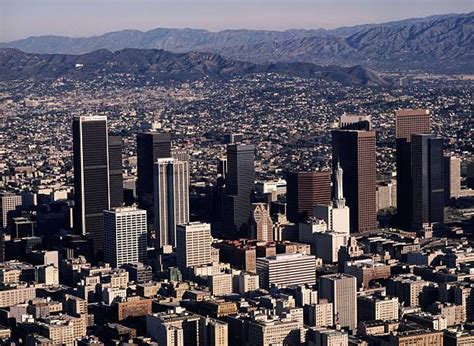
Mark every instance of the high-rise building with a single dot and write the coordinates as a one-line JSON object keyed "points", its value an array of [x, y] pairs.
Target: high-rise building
{"points": [[304, 191], [452, 178], [193, 244], [9, 203], [337, 214], [151, 146], [240, 182], [341, 290], [470, 174], [261, 225], [355, 122], [91, 177], [354, 151], [171, 199], [407, 123], [286, 270], [125, 236], [427, 179], [115, 171], [377, 307]]}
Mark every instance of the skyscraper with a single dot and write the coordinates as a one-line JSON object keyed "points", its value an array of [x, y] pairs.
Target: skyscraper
{"points": [[452, 178], [341, 291], [355, 122], [9, 205], [151, 146], [337, 214], [125, 236], [115, 171], [171, 199], [427, 179], [240, 182], [407, 123], [354, 151], [304, 191], [193, 244], [261, 225], [91, 176], [284, 270]]}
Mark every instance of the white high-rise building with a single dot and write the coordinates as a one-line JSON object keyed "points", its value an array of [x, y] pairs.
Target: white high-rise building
{"points": [[337, 215], [171, 199], [8, 203], [193, 243], [125, 235], [286, 270]]}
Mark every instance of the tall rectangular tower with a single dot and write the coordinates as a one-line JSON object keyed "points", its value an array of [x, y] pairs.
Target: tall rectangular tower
{"points": [[354, 151], [91, 176], [193, 243], [239, 188], [151, 146], [125, 236], [171, 199], [305, 190], [341, 291], [427, 179], [452, 178], [115, 171], [407, 123]]}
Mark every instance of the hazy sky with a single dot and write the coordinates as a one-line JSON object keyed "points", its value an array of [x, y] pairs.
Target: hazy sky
{"points": [[23, 18]]}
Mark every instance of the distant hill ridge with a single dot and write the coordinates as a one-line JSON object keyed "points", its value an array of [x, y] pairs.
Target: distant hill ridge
{"points": [[412, 43], [161, 65]]}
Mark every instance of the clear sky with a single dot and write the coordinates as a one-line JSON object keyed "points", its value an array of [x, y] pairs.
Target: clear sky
{"points": [[23, 18]]}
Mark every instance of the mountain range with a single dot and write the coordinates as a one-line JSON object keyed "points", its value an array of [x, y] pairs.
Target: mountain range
{"points": [[440, 43], [159, 66]]}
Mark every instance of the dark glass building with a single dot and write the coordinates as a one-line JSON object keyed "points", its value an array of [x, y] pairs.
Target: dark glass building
{"points": [[304, 191], [427, 179], [407, 123], [91, 177], [151, 146], [355, 152], [115, 171], [239, 189]]}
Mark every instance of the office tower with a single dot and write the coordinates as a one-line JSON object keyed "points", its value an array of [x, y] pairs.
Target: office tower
{"points": [[125, 236], [327, 337], [427, 179], [386, 194], [240, 182], [151, 146], [407, 123], [174, 327], [355, 122], [261, 225], [9, 205], [354, 151], [193, 244], [304, 191], [171, 199], [115, 171], [452, 178], [213, 332], [470, 174], [222, 167], [327, 245], [180, 155], [377, 307], [341, 290], [337, 214], [233, 138], [91, 177], [284, 270]]}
